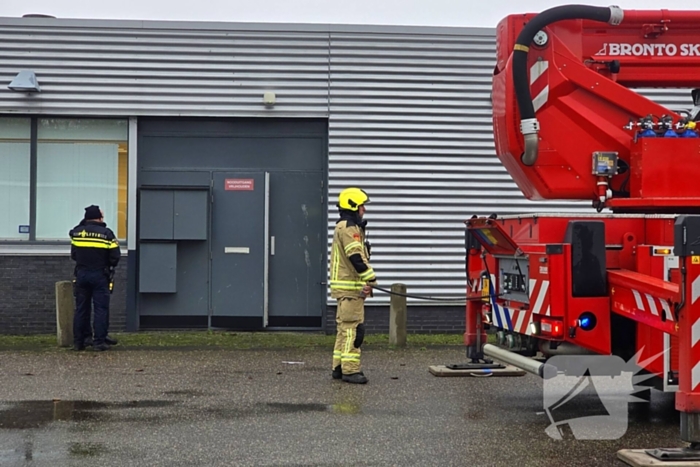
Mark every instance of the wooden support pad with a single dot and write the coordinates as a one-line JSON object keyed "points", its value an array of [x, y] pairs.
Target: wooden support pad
{"points": [[442, 370], [639, 458]]}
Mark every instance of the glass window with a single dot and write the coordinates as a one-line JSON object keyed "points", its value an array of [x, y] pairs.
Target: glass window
{"points": [[80, 162], [14, 178]]}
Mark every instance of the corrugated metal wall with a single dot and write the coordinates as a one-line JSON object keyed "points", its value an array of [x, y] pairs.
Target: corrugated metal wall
{"points": [[409, 112], [130, 70], [410, 116]]}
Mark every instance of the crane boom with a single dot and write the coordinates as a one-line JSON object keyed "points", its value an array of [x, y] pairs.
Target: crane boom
{"points": [[568, 122]]}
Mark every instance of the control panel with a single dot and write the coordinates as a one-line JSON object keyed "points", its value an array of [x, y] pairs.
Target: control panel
{"points": [[514, 279]]}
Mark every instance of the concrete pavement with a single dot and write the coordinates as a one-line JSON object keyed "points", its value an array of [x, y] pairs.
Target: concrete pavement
{"points": [[243, 407]]}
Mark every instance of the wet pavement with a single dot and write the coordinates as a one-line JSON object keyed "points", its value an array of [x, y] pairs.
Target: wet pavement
{"points": [[242, 407]]}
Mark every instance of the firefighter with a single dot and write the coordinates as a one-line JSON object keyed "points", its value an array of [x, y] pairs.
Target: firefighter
{"points": [[95, 250], [351, 282]]}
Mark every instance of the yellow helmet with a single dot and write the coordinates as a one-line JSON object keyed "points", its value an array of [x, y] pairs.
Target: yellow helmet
{"points": [[352, 198]]}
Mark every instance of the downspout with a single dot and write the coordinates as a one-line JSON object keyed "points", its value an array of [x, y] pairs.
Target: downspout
{"points": [[529, 126]]}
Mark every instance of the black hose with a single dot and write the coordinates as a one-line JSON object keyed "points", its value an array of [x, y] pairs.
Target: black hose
{"points": [[521, 83], [437, 299], [522, 46]]}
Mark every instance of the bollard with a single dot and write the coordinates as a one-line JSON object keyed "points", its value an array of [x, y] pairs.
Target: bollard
{"points": [[64, 313], [397, 316]]}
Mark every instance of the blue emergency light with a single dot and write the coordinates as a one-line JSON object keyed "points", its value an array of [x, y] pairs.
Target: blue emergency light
{"points": [[587, 321]]}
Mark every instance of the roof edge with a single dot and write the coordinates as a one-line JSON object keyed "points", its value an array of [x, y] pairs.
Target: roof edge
{"points": [[240, 26]]}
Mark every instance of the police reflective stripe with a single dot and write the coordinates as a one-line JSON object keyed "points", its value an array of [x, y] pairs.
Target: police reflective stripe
{"points": [[94, 243], [352, 245], [95, 240]]}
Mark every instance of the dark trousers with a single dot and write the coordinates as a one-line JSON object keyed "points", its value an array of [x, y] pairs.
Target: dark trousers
{"points": [[91, 288]]}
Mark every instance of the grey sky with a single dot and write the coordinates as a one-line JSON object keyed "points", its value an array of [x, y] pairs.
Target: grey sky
{"points": [[395, 12]]}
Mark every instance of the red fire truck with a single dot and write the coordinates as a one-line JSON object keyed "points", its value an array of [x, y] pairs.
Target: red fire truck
{"points": [[568, 124]]}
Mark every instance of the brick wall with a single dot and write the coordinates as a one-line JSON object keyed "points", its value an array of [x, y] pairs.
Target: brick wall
{"points": [[27, 301], [27, 293], [421, 319]]}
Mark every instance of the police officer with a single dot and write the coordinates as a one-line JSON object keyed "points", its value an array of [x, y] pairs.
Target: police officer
{"points": [[351, 282], [95, 250]]}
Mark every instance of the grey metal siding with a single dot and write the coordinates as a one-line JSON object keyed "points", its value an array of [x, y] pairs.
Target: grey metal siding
{"points": [[121, 71], [410, 120], [409, 112]]}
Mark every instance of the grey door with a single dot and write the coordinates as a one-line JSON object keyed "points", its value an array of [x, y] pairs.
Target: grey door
{"points": [[239, 254], [298, 242]]}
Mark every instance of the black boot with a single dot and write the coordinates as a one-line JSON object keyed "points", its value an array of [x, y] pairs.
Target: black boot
{"points": [[355, 378], [337, 373], [110, 341], [100, 347]]}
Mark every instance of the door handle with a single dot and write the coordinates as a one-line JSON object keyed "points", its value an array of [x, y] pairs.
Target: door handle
{"points": [[272, 246]]}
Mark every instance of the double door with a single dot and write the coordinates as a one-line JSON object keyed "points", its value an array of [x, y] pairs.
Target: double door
{"points": [[268, 242]]}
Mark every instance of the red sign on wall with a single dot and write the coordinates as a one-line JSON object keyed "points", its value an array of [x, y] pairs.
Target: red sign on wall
{"points": [[240, 184]]}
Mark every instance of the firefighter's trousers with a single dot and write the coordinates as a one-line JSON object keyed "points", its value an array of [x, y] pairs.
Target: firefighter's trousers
{"points": [[350, 319]]}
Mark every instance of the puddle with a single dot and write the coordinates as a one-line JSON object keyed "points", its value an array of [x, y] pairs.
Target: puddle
{"points": [[86, 449], [186, 392], [29, 451], [266, 408], [274, 408], [281, 407], [346, 408], [475, 415], [36, 414]]}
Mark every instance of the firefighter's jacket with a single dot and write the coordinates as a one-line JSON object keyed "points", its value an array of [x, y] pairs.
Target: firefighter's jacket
{"points": [[350, 270]]}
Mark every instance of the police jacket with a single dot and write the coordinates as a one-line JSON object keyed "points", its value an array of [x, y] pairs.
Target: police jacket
{"points": [[94, 246], [350, 270]]}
